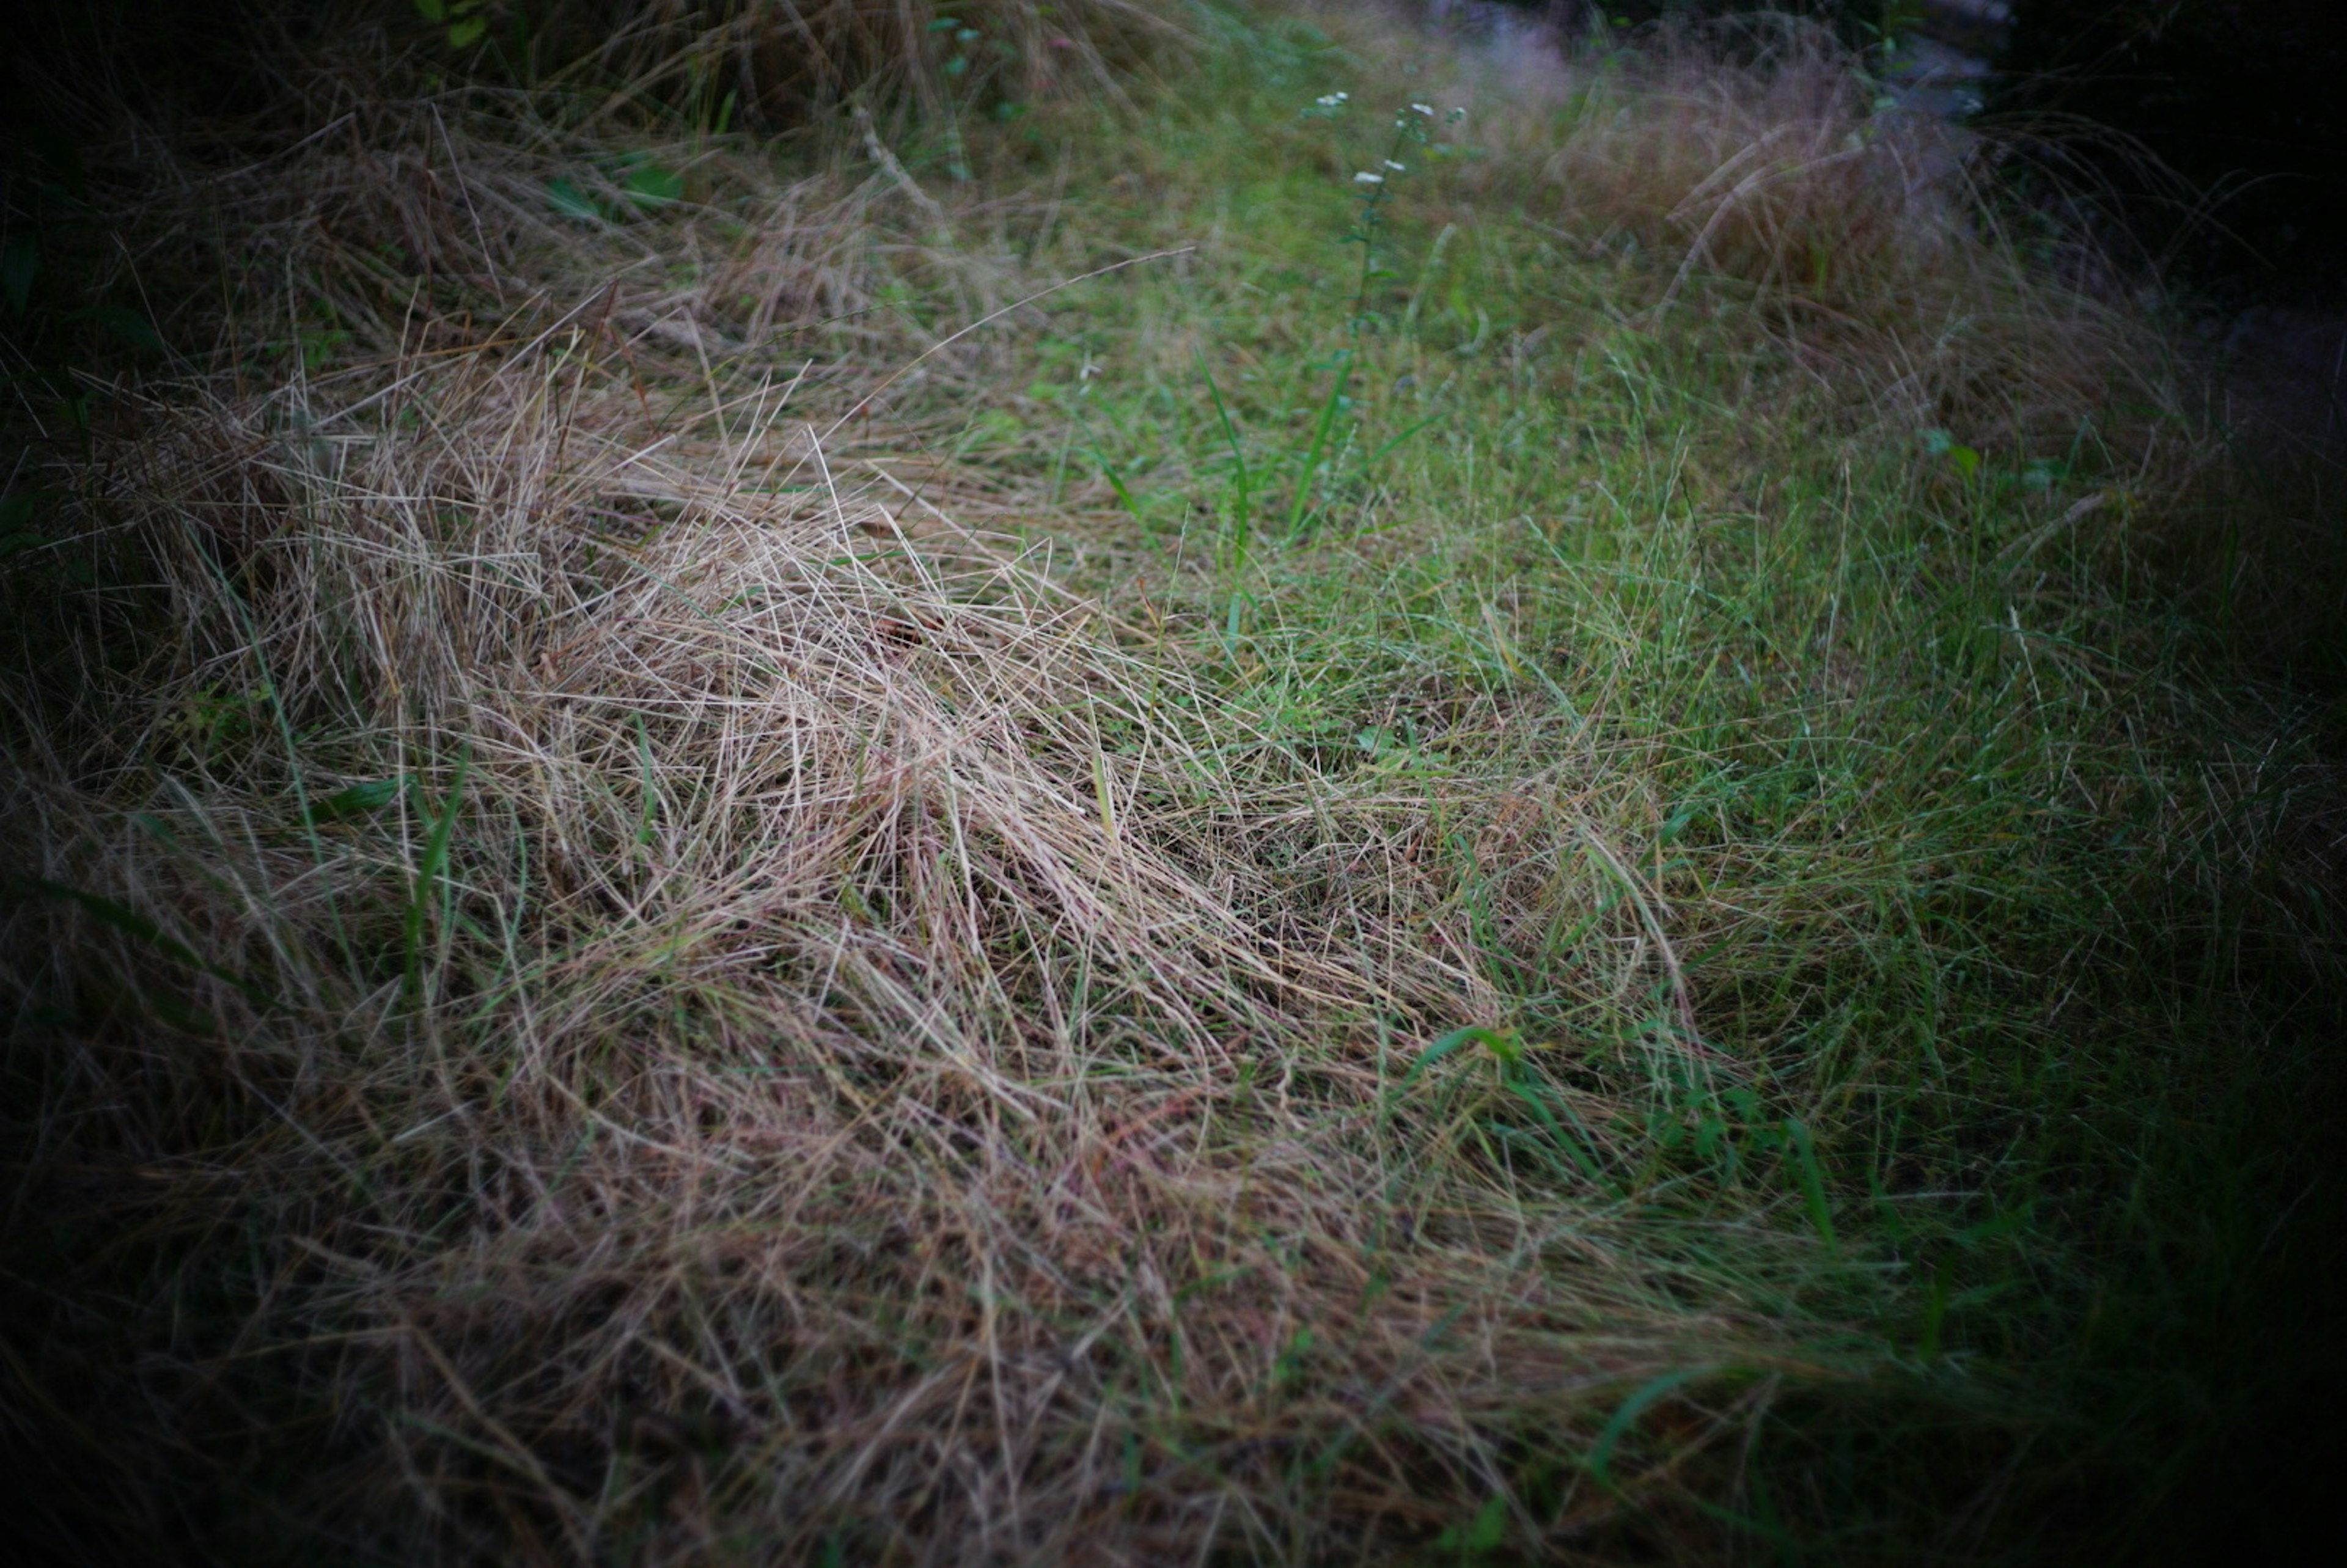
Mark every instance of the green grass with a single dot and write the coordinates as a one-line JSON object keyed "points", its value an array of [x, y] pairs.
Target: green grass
{"points": [[1593, 884]]}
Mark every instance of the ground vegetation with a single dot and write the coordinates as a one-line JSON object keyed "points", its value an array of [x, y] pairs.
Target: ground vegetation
{"points": [[1142, 784]]}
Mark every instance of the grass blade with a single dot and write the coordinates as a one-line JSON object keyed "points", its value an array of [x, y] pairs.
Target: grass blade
{"points": [[429, 872], [1812, 1180], [132, 924], [1300, 506]]}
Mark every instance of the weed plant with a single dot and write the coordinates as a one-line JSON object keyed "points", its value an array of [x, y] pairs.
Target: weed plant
{"points": [[1567, 884]]}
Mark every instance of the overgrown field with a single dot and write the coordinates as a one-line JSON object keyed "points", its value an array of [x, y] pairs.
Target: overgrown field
{"points": [[1175, 784]]}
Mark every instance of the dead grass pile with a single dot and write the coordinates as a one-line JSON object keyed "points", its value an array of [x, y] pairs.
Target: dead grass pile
{"points": [[726, 1045], [591, 978]]}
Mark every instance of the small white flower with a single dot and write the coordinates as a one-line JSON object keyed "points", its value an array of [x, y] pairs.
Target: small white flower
{"points": [[1366, 177], [1330, 100], [1397, 167], [1426, 109]]}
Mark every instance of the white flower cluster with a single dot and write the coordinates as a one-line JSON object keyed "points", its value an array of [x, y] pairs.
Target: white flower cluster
{"points": [[1332, 100], [1424, 111]]}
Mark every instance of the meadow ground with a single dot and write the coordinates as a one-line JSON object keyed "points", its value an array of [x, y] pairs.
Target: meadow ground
{"points": [[1104, 794]]}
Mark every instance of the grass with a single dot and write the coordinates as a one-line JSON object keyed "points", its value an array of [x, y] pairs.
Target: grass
{"points": [[1594, 883]]}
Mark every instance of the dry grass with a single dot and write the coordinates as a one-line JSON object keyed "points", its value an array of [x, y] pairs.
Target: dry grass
{"points": [[604, 963], [1747, 160], [785, 64], [821, 1037], [817, 1037]]}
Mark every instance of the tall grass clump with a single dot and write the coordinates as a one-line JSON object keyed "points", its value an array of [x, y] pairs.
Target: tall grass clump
{"points": [[1081, 842], [1747, 162], [778, 64]]}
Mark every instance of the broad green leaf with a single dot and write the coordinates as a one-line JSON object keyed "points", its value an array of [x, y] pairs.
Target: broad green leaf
{"points": [[1501, 1043], [20, 263], [572, 203], [652, 186], [1490, 1527], [358, 800], [127, 325]]}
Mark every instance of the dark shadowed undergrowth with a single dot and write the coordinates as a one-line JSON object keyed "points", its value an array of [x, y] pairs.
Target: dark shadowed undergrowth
{"points": [[965, 813]]}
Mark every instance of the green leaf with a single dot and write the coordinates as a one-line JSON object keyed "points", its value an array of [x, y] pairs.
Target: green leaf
{"points": [[358, 800], [20, 263], [131, 923], [63, 157], [434, 11], [464, 35], [572, 203], [1300, 507], [1812, 1177], [1935, 1307], [1501, 1044], [1490, 1526], [1943, 444], [1529, 1091], [179, 1015], [1116, 483], [1618, 1427], [127, 325], [431, 869], [652, 186]]}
